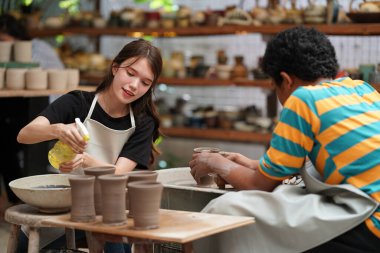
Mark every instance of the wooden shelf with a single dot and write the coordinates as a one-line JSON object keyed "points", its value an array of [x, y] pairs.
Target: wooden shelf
{"points": [[335, 29], [39, 93], [217, 134], [95, 79], [215, 82]]}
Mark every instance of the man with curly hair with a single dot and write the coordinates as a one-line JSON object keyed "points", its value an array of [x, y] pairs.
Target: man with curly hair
{"points": [[329, 132]]}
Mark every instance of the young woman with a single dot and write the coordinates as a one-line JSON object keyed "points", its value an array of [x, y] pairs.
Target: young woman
{"points": [[120, 115]]}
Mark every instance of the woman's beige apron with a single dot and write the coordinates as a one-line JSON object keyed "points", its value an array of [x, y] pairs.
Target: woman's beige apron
{"points": [[105, 144], [289, 219]]}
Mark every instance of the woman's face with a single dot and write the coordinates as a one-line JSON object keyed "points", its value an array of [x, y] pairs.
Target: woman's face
{"points": [[132, 79]]}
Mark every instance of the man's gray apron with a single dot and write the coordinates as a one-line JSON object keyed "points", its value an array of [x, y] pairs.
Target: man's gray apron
{"points": [[289, 219], [105, 144]]}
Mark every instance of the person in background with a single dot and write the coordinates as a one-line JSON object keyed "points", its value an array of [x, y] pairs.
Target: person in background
{"points": [[329, 132], [14, 111], [121, 111], [12, 29]]}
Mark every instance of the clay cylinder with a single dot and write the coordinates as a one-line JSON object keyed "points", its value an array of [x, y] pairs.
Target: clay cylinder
{"points": [[145, 200], [98, 171], [136, 176], [82, 198], [113, 198]]}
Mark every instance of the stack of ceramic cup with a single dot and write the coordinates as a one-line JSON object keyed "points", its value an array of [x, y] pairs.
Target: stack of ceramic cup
{"points": [[20, 54], [38, 79], [17, 71]]}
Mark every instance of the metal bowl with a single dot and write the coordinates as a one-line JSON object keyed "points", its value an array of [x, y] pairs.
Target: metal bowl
{"points": [[50, 193]]}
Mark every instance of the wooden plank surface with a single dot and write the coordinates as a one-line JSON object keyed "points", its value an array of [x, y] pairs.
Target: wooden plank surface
{"points": [[175, 226], [40, 93]]}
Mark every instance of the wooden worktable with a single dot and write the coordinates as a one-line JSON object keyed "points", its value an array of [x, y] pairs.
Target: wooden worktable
{"points": [[175, 226]]}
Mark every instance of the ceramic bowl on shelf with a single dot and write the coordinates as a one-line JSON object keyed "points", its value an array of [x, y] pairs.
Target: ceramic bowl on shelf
{"points": [[50, 193]]}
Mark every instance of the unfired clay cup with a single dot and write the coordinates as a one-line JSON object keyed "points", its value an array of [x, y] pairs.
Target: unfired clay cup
{"points": [[15, 79], [98, 171], [145, 199], [5, 51], [113, 198], [57, 79], [135, 176], [2, 78], [36, 79], [82, 198], [72, 78], [23, 51]]}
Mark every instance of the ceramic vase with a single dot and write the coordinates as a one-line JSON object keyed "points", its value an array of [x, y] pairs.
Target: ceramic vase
{"points": [[135, 176], [98, 171], [113, 198], [145, 200], [82, 198]]}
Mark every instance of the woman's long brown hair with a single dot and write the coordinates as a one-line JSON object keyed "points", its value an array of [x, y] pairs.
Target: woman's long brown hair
{"points": [[140, 49]]}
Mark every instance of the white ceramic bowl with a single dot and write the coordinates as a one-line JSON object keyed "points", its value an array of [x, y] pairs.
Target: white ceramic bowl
{"points": [[50, 193]]}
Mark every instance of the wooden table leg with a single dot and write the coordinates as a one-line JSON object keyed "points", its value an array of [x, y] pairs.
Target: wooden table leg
{"points": [[143, 247], [70, 238], [34, 240], [95, 244], [187, 247], [13, 238]]}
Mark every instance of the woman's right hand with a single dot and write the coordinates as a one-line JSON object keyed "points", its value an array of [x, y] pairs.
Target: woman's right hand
{"points": [[69, 134], [76, 163]]}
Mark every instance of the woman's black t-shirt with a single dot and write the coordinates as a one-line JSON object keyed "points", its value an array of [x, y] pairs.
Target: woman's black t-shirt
{"points": [[76, 104]]}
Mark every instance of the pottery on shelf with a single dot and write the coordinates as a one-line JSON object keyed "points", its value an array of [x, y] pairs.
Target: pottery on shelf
{"points": [[36, 79], [23, 51], [98, 171], [5, 51], [82, 198], [145, 200], [113, 198]]}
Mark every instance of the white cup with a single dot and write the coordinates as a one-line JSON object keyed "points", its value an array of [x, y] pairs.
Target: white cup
{"points": [[72, 78], [2, 78], [5, 51], [36, 79], [57, 79], [15, 79], [23, 51]]}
